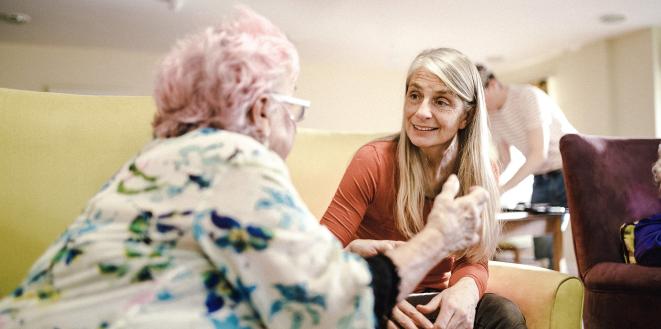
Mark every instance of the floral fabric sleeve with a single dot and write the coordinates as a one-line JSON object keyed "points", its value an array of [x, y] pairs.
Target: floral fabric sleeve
{"points": [[291, 270]]}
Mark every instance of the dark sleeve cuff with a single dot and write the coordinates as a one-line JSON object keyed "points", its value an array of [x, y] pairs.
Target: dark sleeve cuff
{"points": [[385, 284]]}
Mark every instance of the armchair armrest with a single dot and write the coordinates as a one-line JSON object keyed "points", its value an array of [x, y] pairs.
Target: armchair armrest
{"points": [[548, 299], [626, 278]]}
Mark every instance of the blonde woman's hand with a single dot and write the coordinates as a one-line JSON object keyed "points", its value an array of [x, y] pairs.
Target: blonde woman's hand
{"points": [[457, 305], [406, 316], [368, 248], [458, 220]]}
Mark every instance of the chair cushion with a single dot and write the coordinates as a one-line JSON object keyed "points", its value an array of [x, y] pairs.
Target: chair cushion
{"points": [[626, 235]]}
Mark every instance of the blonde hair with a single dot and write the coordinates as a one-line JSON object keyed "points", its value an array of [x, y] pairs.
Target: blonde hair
{"points": [[460, 75]]}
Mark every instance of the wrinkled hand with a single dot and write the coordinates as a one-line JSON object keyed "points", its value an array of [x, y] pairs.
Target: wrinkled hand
{"points": [[458, 219], [368, 248], [457, 305], [656, 170], [408, 317]]}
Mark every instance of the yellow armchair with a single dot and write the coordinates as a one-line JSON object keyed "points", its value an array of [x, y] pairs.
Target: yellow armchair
{"points": [[57, 150]]}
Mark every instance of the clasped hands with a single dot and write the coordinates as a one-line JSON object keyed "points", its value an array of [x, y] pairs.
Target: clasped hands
{"points": [[458, 219]]}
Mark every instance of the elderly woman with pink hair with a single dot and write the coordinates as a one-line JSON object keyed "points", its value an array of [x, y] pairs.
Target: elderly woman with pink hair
{"points": [[204, 229]]}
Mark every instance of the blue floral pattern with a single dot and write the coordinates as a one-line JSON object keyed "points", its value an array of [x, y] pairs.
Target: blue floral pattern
{"points": [[296, 299], [238, 237], [205, 230]]}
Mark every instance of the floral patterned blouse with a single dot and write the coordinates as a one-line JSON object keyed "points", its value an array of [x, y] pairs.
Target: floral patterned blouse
{"points": [[200, 231]]}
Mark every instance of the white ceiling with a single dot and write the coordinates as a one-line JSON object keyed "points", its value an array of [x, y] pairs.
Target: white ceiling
{"points": [[378, 32]]}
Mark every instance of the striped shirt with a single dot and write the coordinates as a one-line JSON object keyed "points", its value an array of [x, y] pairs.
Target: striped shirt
{"points": [[527, 108]]}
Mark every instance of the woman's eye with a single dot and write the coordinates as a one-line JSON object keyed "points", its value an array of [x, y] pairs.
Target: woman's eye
{"points": [[441, 102], [414, 96]]}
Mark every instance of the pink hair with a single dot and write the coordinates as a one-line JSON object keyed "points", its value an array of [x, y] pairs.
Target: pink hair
{"points": [[211, 79]]}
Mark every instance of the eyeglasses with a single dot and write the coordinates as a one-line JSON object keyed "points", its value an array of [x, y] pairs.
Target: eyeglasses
{"points": [[296, 106]]}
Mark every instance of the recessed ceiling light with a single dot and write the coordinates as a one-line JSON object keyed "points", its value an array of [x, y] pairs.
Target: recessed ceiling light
{"points": [[612, 18], [15, 18]]}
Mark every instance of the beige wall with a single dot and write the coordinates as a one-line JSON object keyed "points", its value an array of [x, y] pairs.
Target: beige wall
{"points": [[583, 89], [76, 69], [632, 65], [580, 83], [344, 96], [657, 78], [607, 87], [349, 97]]}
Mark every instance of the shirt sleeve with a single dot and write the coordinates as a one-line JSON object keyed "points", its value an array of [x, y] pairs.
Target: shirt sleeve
{"points": [[385, 285], [354, 194], [271, 253], [477, 271]]}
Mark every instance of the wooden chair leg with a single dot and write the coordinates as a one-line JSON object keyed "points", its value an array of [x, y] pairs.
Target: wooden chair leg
{"points": [[506, 246]]}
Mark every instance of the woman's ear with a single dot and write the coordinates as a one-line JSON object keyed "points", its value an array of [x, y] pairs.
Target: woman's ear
{"points": [[465, 117], [464, 121], [259, 119]]}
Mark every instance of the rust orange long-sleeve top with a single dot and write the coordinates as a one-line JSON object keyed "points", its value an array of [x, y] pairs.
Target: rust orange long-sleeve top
{"points": [[363, 208]]}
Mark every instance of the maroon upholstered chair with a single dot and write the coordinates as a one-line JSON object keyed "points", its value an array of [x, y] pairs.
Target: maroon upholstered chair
{"points": [[609, 182]]}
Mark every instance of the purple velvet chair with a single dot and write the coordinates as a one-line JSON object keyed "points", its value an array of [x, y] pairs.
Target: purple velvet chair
{"points": [[609, 182]]}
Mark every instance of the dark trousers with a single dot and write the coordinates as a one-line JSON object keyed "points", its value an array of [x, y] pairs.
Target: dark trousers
{"points": [[492, 312], [496, 312], [549, 188]]}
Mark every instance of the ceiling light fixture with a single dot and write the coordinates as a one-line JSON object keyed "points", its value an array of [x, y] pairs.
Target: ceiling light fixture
{"points": [[612, 18], [15, 18], [173, 5]]}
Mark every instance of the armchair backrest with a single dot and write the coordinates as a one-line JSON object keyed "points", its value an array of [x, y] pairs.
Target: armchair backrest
{"points": [[609, 182]]}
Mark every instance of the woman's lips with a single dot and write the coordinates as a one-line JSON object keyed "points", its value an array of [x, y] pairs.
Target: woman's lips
{"points": [[423, 128]]}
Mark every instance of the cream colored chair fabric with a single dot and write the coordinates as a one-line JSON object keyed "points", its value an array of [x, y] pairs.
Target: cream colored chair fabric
{"points": [[317, 163]]}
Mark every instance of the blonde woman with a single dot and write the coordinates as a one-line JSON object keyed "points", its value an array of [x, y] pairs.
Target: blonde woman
{"points": [[389, 188]]}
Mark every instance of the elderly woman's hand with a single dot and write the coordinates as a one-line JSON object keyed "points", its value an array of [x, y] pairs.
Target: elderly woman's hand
{"points": [[368, 248], [453, 224], [656, 170], [458, 219]]}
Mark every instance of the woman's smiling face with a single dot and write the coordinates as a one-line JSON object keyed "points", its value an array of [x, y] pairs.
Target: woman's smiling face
{"points": [[432, 112]]}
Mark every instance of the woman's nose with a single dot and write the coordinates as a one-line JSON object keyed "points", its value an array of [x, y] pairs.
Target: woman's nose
{"points": [[423, 110]]}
